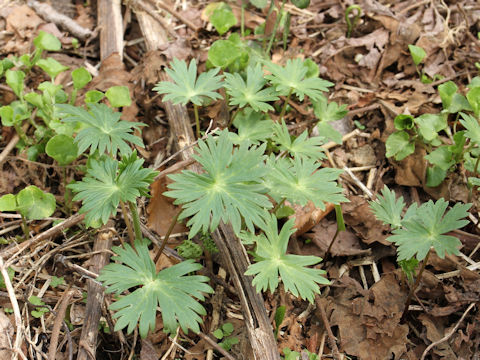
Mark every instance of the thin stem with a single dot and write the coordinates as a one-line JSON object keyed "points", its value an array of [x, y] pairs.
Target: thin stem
{"points": [[232, 118], [136, 220], [413, 288], [351, 24], [25, 228], [167, 236], [284, 108], [197, 120], [21, 133], [270, 10], [331, 244], [275, 27], [131, 235], [242, 20], [278, 205], [67, 196]]}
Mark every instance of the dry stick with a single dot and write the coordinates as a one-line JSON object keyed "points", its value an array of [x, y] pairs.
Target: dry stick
{"points": [[13, 251], [57, 324], [11, 144], [179, 16], [167, 235], [51, 15], [449, 334], [16, 310], [331, 337], [154, 15], [217, 347], [95, 291]]}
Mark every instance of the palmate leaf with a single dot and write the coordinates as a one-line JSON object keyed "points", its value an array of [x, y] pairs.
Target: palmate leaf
{"points": [[426, 229], [250, 92], [186, 87], [272, 262], [301, 146], [230, 189], [108, 182], [387, 208], [300, 180], [473, 128], [171, 289], [293, 78], [252, 126], [103, 131]]}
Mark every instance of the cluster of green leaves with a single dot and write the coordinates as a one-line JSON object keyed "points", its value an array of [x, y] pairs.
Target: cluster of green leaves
{"points": [[420, 228], [252, 95], [459, 121], [223, 333]]}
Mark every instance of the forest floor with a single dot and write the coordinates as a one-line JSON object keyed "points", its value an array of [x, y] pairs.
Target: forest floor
{"points": [[374, 75]]}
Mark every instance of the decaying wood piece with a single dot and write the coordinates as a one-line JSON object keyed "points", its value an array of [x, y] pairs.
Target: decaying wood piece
{"points": [[88, 337], [48, 13], [111, 27], [232, 253], [154, 28]]}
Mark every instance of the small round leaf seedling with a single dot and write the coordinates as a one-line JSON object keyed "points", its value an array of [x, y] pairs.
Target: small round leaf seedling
{"points": [[47, 41], [34, 204], [119, 96], [62, 148]]}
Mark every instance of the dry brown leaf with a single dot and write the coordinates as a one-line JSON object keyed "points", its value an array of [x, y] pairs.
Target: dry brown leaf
{"points": [[357, 215], [161, 210], [346, 244], [369, 325], [6, 336]]}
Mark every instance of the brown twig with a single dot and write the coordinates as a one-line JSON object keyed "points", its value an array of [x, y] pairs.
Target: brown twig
{"points": [[57, 324], [13, 251], [16, 311], [51, 15], [331, 337], [449, 334], [179, 16]]}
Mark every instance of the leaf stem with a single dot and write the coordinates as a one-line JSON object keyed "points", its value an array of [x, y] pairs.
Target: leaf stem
{"points": [[167, 236], [136, 220], [340, 227], [197, 120], [278, 205], [128, 223], [284, 108], [351, 24], [25, 228], [275, 27], [413, 288]]}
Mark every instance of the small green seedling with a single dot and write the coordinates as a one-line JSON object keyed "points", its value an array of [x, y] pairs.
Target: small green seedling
{"points": [[294, 355], [221, 16], [32, 204], [41, 308], [223, 333], [172, 289], [187, 88], [279, 316], [11, 274], [189, 250], [56, 281], [351, 24], [421, 229]]}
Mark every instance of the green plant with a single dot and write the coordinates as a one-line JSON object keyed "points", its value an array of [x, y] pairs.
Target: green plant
{"points": [[32, 204], [294, 355], [40, 309], [420, 229], [461, 146], [171, 289], [351, 24], [223, 333], [188, 88]]}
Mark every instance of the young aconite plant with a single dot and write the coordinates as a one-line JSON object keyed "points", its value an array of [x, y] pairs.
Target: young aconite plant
{"points": [[233, 188], [420, 230]]}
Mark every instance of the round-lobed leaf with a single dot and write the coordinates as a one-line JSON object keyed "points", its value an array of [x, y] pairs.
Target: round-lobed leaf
{"points": [[47, 41], [14, 79], [119, 96], [8, 203], [418, 54], [34, 204], [51, 66], [93, 96], [80, 77], [62, 148]]}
